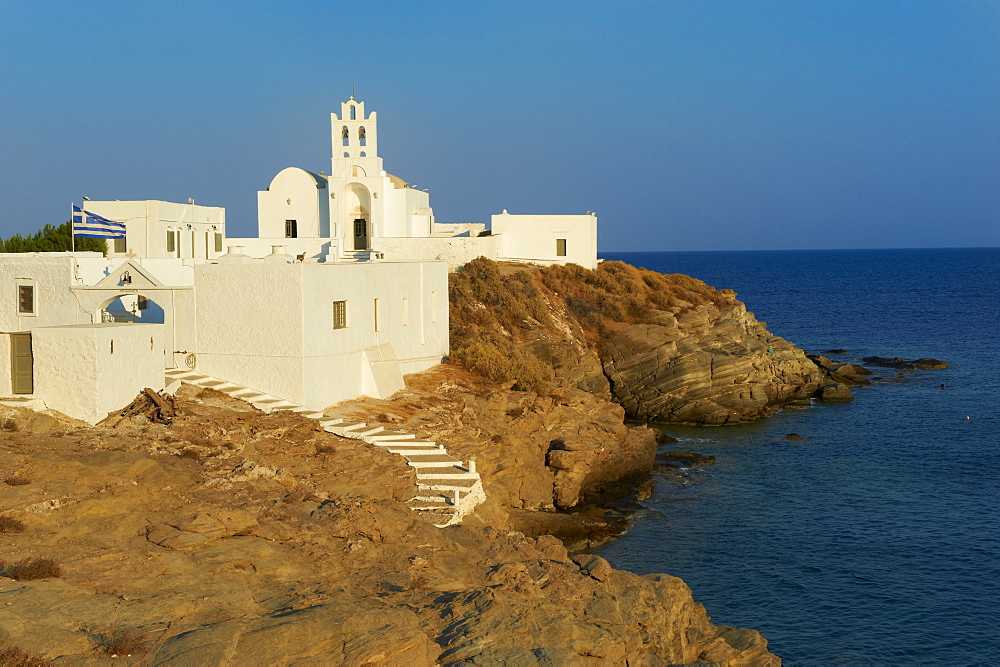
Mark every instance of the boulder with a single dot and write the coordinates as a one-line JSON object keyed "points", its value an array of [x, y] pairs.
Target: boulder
{"points": [[836, 393]]}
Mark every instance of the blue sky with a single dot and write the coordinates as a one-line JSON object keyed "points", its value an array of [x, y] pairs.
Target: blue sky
{"points": [[685, 125]]}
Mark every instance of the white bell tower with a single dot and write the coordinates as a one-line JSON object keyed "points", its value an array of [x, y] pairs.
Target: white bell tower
{"points": [[354, 139]]}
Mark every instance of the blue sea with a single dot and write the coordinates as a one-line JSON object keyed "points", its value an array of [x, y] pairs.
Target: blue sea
{"points": [[876, 541]]}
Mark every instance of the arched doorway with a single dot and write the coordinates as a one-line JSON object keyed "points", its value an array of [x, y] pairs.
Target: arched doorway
{"points": [[358, 204], [132, 307]]}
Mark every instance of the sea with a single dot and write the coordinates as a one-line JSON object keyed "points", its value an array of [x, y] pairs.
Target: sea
{"points": [[876, 540]]}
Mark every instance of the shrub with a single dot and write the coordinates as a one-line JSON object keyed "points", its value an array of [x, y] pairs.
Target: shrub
{"points": [[31, 569], [121, 642], [11, 525], [12, 656]]}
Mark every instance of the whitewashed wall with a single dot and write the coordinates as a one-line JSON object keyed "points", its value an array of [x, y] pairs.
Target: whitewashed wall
{"points": [[270, 327], [532, 238], [315, 248], [294, 194], [89, 370], [456, 251], [147, 222], [51, 274]]}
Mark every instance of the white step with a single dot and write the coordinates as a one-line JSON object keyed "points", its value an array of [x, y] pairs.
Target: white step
{"points": [[387, 436], [430, 465], [360, 432], [404, 451]]}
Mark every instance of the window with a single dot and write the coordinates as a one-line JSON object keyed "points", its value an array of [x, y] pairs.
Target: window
{"points": [[218, 242], [171, 245], [378, 325], [120, 245], [346, 154], [560, 247], [339, 314], [364, 154], [354, 112], [291, 229], [141, 302], [25, 299]]}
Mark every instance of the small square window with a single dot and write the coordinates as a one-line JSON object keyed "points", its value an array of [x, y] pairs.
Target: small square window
{"points": [[26, 299], [291, 229], [339, 314], [560, 247], [120, 245]]}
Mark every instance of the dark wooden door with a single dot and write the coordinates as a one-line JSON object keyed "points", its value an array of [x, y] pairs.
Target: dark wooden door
{"points": [[360, 234], [22, 377]]}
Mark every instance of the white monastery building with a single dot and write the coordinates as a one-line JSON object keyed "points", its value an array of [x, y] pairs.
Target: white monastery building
{"points": [[343, 291]]}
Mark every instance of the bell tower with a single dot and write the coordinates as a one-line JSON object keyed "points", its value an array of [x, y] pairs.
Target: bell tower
{"points": [[354, 136]]}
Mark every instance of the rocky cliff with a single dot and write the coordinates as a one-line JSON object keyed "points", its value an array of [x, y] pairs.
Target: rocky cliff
{"points": [[235, 537], [668, 348]]}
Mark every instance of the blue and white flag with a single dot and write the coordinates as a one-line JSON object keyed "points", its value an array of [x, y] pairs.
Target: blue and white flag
{"points": [[92, 226]]}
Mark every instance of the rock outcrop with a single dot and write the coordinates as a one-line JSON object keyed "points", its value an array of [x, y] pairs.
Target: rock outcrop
{"points": [[712, 363], [235, 537], [668, 348]]}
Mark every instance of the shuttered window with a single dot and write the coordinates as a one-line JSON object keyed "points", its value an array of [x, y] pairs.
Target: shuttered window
{"points": [[339, 314], [170, 241], [120, 245], [560, 247], [26, 299]]}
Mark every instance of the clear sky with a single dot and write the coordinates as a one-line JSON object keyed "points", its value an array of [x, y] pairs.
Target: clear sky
{"points": [[685, 125]]}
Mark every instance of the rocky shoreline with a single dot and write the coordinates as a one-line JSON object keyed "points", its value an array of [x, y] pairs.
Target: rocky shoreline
{"points": [[231, 536]]}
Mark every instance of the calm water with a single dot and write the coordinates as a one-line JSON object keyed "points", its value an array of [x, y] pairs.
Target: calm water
{"points": [[878, 540]]}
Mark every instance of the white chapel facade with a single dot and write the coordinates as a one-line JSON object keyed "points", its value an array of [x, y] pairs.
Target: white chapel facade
{"points": [[362, 212]]}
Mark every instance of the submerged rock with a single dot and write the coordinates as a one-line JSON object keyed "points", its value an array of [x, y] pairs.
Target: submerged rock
{"points": [[684, 459], [924, 364]]}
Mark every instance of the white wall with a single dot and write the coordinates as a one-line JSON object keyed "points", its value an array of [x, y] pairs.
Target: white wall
{"points": [[315, 248], [147, 223], [87, 371], [533, 238], [249, 326], [270, 326], [51, 274], [294, 194], [456, 251], [458, 228]]}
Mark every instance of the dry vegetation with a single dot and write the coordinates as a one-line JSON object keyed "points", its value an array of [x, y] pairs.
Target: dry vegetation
{"points": [[30, 569], [12, 656], [121, 642], [11, 525], [495, 308]]}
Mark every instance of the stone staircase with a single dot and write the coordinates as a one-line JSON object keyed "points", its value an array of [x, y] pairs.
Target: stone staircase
{"points": [[448, 488]]}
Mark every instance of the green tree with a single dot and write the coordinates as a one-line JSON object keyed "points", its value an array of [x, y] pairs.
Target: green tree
{"points": [[51, 239]]}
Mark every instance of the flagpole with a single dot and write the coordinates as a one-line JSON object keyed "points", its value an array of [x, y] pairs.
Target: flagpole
{"points": [[72, 231]]}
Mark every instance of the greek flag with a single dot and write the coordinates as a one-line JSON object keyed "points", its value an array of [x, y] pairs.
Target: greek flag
{"points": [[92, 226]]}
